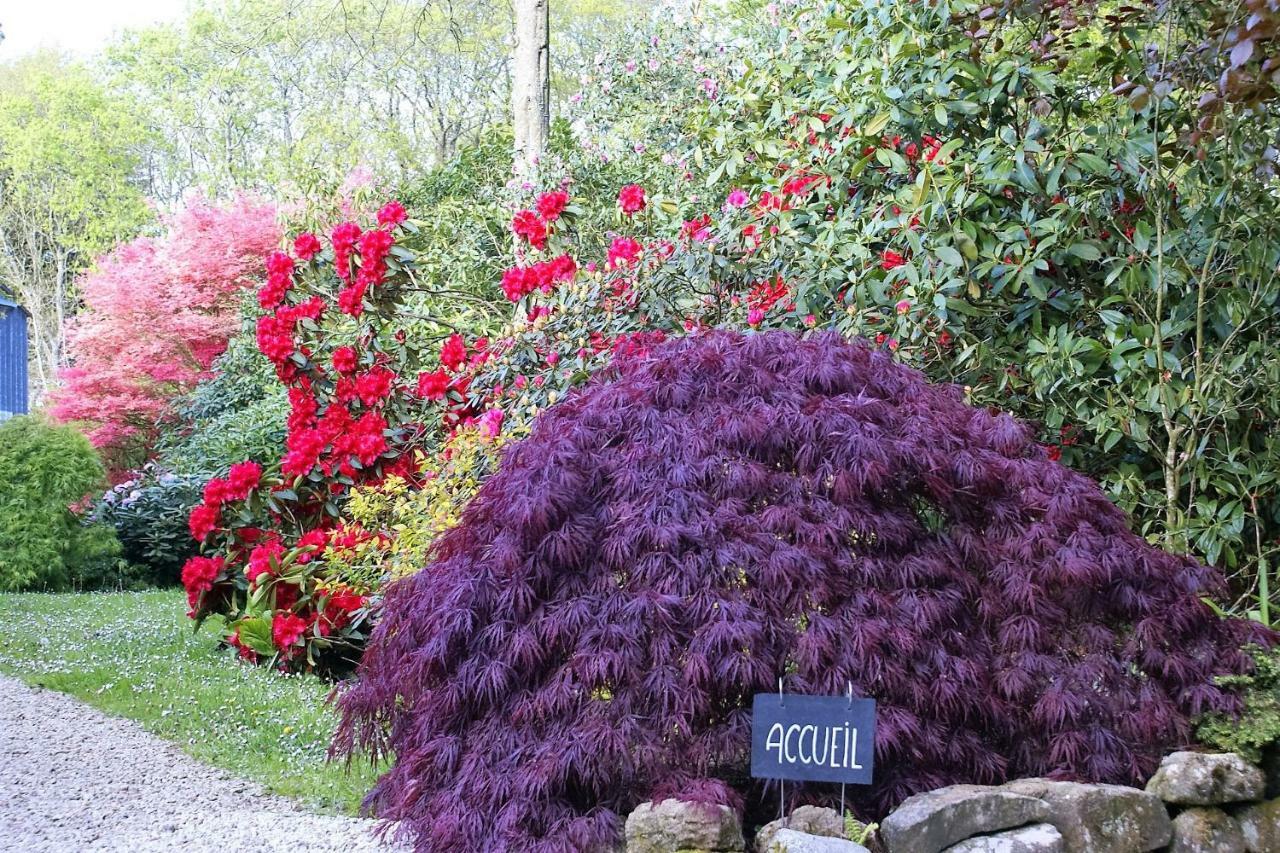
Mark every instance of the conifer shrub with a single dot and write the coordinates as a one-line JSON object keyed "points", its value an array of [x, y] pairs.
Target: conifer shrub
{"points": [[46, 470], [725, 510]]}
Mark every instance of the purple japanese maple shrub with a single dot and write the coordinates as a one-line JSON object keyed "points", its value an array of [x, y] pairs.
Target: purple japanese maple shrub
{"points": [[729, 509]]}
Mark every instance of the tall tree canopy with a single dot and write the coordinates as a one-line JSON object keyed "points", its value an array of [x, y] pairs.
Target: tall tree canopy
{"points": [[68, 189]]}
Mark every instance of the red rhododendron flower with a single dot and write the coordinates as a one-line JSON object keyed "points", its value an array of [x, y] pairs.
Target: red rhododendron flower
{"points": [[392, 214], [279, 263], [623, 251], [261, 557], [374, 246], [306, 246], [286, 630], [766, 294], [203, 520], [631, 199], [433, 385], [216, 492], [351, 300], [279, 280], [529, 226], [891, 260], [698, 229], [303, 449], [338, 607], [454, 352], [198, 575], [243, 479], [518, 282], [344, 239], [344, 360], [374, 385], [312, 544], [801, 185], [551, 204]]}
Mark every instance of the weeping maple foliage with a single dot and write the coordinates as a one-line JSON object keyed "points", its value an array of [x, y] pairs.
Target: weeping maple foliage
{"points": [[726, 510]]}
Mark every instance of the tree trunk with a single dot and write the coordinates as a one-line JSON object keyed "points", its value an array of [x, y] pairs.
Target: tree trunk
{"points": [[531, 82]]}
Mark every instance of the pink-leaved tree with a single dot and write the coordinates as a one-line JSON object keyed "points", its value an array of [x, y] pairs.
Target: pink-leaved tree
{"points": [[157, 312]]}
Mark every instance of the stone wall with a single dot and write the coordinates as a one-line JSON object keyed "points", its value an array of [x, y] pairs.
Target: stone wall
{"points": [[1195, 803]]}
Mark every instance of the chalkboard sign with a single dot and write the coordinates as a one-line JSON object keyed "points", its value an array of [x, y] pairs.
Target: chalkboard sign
{"points": [[813, 738]]}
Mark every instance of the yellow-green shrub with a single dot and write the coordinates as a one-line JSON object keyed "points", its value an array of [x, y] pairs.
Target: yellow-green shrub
{"points": [[405, 520]]}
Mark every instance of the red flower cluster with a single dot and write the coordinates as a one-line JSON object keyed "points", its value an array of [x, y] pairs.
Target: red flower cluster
{"points": [[531, 228], [306, 246], [264, 559], [697, 229], [286, 632], [345, 360], [392, 214], [433, 385], [518, 282], [623, 251], [551, 204], [243, 478], [336, 610], [279, 280], [198, 575], [453, 353], [631, 199], [766, 294], [276, 331], [374, 246], [889, 260]]}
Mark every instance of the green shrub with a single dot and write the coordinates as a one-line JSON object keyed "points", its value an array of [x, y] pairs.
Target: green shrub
{"points": [[238, 414], [149, 514], [44, 471], [1257, 730]]}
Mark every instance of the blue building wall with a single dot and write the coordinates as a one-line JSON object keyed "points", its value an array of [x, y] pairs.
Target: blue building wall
{"points": [[13, 359]]}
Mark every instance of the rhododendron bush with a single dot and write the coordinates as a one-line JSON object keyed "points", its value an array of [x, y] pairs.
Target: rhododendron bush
{"points": [[158, 312], [960, 183], [727, 509], [270, 535]]}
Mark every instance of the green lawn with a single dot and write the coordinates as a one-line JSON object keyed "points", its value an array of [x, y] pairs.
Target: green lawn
{"points": [[133, 654]]}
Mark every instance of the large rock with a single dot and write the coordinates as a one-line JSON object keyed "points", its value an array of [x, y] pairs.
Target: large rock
{"points": [[674, 825], [790, 841], [1101, 818], [811, 820], [1036, 838], [1206, 779], [1260, 826], [1206, 830], [933, 821]]}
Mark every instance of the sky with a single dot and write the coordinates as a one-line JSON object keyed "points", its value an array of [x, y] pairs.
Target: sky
{"points": [[80, 27]]}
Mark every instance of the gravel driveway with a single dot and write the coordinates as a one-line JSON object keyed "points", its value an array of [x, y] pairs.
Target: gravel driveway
{"points": [[73, 778]]}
